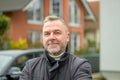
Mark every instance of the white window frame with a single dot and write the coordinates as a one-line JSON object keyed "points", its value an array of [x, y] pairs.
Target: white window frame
{"points": [[72, 15], [72, 41], [34, 20], [60, 8]]}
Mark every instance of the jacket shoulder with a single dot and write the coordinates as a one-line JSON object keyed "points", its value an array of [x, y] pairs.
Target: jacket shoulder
{"points": [[78, 60], [34, 62], [80, 66]]}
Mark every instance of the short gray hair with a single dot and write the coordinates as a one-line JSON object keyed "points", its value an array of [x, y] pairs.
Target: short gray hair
{"points": [[52, 18]]}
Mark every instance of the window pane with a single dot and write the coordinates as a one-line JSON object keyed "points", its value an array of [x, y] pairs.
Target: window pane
{"points": [[20, 62], [37, 8], [30, 15], [4, 60], [35, 12], [34, 36], [74, 14], [74, 41], [71, 10], [38, 15], [56, 7], [34, 39]]}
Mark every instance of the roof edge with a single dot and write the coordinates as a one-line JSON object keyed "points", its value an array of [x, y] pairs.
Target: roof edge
{"points": [[87, 7], [31, 3]]}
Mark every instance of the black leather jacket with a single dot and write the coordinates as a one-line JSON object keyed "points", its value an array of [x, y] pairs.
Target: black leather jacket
{"points": [[69, 67]]}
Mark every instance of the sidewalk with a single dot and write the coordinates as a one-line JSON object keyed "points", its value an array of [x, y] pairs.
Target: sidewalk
{"points": [[98, 76]]}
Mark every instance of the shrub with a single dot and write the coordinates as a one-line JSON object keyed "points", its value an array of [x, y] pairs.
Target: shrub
{"points": [[91, 43], [20, 44], [35, 45], [81, 51], [4, 26]]}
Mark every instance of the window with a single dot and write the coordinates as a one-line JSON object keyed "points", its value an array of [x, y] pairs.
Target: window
{"points": [[74, 13], [35, 12], [74, 41], [34, 36], [20, 62], [4, 60], [56, 7]]}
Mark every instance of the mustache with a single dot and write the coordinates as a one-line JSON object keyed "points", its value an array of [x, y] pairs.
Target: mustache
{"points": [[53, 42]]}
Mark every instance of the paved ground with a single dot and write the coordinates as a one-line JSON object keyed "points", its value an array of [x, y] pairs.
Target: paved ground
{"points": [[98, 76]]}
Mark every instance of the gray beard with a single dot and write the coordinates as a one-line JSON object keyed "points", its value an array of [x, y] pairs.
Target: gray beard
{"points": [[56, 52]]}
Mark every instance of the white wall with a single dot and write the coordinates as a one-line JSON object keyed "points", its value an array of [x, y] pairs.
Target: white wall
{"points": [[110, 35]]}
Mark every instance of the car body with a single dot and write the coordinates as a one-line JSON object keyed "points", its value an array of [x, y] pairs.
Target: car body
{"points": [[13, 61]]}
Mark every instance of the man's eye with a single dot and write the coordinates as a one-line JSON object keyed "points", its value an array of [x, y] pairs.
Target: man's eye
{"points": [[46, 34], [57, 32]]}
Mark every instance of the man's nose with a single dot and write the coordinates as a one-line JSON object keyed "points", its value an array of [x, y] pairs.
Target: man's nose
{"points": [[52, 36]]}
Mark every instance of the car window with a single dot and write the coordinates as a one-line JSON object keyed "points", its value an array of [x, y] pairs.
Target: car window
{"points": [[20, 61], [4, 60]]}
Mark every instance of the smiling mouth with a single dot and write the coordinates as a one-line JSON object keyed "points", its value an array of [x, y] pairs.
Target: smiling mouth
{"points": [[53, 44]]}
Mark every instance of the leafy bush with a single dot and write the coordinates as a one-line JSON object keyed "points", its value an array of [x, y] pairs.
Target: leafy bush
{"points": [[91, 43], [35, 45], [4, 26], [20, 44], [81, 51]]}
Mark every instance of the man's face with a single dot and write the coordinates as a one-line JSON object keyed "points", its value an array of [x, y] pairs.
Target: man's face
{"points": [[55, 37]]}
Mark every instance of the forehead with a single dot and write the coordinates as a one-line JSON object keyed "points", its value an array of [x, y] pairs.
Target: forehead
{"points": [[53, 25]]}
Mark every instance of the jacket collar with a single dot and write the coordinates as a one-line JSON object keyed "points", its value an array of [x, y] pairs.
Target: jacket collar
{"points": [[52, 61]]}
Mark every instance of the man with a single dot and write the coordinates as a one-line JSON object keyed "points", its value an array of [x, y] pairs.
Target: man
{"points": [[57, 63]]}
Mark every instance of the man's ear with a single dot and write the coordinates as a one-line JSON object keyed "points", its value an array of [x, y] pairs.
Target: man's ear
{"points": [[68, 37]]}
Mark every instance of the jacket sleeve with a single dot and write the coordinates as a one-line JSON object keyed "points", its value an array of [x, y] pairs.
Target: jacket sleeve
{"points": [[26, 75], [27, 70], [82, 70]]}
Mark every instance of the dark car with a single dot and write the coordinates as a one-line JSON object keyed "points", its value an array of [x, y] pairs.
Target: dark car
{"points": [[13, 61]]}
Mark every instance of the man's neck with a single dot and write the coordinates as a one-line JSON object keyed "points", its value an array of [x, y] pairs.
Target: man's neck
{"points": [[57, 57]]}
